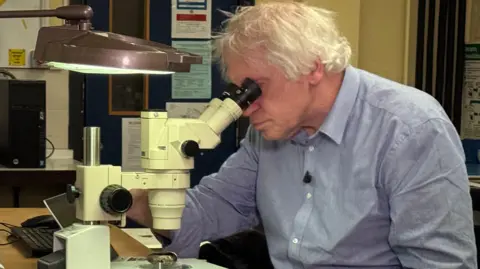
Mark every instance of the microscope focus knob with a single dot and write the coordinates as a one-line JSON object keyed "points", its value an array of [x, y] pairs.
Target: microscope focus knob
{"points": [[115, 199], [190, 148], [72, 193]]}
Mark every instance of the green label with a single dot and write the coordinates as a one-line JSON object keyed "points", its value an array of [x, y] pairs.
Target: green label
{"points": [[472, 51]]}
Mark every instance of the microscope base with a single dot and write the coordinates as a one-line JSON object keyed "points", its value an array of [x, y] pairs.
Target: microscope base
{"points": [[86, 246]]}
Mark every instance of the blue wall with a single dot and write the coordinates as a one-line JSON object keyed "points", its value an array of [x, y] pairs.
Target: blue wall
{"points": [[471, 147]]}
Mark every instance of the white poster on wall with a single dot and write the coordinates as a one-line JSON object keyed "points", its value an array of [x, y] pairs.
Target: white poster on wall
{"points": [[192, 19], [471, 93]]}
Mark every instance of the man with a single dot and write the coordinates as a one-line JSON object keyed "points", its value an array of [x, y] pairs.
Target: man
{"points": [[342, 168]]}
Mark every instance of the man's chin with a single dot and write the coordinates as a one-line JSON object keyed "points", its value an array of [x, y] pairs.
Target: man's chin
{"points": [[272, 136]]}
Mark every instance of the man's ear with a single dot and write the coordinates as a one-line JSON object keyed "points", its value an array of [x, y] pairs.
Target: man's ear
{"points": [[317, 73]]}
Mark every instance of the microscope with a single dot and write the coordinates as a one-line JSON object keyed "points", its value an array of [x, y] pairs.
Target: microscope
{"points": [[168, 147]]}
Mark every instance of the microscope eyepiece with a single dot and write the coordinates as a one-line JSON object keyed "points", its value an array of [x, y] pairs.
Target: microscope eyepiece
{"points": [[229, 107], [244, 95]]}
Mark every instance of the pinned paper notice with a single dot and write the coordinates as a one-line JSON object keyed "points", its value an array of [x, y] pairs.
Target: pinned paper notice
{"points": [[192, 19], [471, 93], [196, 84], [16, 57]]}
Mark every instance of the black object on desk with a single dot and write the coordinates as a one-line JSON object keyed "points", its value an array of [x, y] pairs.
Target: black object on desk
{"points": [[37, 235], [42, 221], [38, 241], [55, 260]]}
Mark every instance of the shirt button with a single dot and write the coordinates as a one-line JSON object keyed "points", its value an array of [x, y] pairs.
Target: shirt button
{"points": [[295, 240], [311, 148], [309, 195]]}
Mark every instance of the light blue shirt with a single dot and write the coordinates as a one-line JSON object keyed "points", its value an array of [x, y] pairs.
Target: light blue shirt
{"points": [[389, 187]]}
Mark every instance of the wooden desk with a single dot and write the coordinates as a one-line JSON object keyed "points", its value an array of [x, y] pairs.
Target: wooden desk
{"points": [[12, 256]]}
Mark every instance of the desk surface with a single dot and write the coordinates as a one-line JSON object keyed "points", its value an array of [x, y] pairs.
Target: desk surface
{"points": [[11, 256]]}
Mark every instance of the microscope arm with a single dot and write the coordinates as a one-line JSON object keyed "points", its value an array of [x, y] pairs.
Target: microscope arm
{"points": [[169, 146]]}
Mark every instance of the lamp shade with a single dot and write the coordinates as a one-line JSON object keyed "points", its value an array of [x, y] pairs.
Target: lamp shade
{"points": [[67, 47]]}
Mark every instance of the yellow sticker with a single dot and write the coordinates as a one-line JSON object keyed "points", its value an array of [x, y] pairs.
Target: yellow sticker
{"points": [[2, 2], [16, 57]]}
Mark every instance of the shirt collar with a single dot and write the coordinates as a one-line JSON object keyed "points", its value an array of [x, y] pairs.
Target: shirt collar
{"points": [[336, 121]]}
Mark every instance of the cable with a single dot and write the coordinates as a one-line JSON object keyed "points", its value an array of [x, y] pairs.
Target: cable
{"points": [[7, 74], [8, 225], [10, 235], [53, 148]]}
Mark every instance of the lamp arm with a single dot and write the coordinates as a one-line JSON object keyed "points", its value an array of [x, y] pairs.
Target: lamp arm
{"points": [[71, 13]]}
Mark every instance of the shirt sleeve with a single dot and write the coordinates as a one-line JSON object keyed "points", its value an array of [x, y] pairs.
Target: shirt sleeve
{"points": [[430, 204], [221, 204]]}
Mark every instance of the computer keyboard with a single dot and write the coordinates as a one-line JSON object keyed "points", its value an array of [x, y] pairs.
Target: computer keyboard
{"points": [[39, 241]]}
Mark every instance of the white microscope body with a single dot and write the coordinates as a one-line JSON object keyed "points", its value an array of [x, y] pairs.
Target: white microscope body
{"points": [[168, 145]]}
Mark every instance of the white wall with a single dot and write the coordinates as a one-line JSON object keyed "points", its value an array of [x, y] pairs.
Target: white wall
{"points": [[381, 32]]}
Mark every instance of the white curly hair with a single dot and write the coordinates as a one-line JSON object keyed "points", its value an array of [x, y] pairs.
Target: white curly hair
{"points": [[294, 36]]}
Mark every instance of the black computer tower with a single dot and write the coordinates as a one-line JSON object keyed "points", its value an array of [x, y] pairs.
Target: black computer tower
{"points": [[22, 123]]}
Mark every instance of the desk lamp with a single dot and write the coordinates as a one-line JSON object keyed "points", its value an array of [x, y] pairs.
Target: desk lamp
{"points": [[168, 145]]}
